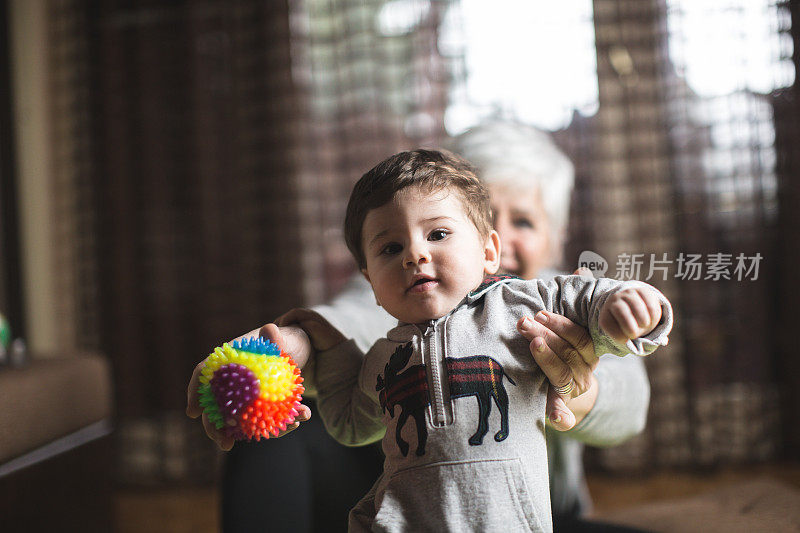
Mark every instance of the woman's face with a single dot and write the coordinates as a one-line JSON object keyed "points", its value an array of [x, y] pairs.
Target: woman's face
{"points": [[524, 228]]}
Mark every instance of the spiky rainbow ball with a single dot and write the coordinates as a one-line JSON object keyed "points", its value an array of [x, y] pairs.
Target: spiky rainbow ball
{"points": [[254, 383]]}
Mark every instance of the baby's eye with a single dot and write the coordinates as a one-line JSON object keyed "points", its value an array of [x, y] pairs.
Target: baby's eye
{"points": [[437, 235], [391, 249], [523, 222]]}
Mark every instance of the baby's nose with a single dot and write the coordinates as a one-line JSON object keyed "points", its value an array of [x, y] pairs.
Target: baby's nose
{"points": [[417, 255]]}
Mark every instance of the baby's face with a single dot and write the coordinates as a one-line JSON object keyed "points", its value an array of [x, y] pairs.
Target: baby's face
{"points": [[424, 254]]}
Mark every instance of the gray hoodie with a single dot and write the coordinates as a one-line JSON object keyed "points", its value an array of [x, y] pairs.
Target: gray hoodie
{"points": [[462, 405]]}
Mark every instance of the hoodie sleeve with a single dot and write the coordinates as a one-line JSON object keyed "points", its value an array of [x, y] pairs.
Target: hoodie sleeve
{"points": [[581, 299], [349, 414], [620, 411]]}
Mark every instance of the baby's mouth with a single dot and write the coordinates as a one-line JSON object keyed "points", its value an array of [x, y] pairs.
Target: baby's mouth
{"points": [[423, 284]]}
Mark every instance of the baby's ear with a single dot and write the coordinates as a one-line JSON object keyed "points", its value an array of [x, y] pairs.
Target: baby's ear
{"points": [[491, 252]]}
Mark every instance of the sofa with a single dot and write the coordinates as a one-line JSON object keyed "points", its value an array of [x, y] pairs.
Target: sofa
{"points": [[56, 453]]}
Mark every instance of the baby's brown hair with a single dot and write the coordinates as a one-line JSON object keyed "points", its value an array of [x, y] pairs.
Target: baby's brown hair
{"points": [[432, 170]]}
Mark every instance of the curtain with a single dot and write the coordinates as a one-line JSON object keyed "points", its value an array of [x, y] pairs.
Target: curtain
{"points": [[176, 132], [680, 170], [786, 104], [668, 177], [10, 269], [204, 154], [371, 87]]}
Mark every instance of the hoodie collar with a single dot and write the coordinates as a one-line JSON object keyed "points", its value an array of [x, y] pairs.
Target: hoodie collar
{"points": [[488, 283], [405, 331]]}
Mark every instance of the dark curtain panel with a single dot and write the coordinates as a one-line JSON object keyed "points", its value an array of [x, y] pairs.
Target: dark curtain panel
{"points": [[625, 200], [187, 113], [673, 173], [192, 136], [10, 272], [787, 292]]}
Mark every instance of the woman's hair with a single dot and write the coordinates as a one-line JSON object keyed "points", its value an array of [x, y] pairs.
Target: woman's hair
{"points": [[431, 170], [525, 157]]}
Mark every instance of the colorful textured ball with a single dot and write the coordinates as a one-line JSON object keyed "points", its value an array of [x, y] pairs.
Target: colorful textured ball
{"points": [[250, 389]]}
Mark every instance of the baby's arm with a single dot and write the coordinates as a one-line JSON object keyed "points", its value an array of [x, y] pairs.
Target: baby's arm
{"points": [[350, 416], [608, 303], [608, 308], [353, 312]]}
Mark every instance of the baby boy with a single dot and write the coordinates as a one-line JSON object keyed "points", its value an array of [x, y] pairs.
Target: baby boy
{"points": [[453, 390]]}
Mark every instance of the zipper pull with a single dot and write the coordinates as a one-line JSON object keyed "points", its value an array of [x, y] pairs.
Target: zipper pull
{"points": [[430, 329]]}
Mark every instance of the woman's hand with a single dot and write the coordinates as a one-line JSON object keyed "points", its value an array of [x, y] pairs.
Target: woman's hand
{"points": [[565, 353], [293, 341]]}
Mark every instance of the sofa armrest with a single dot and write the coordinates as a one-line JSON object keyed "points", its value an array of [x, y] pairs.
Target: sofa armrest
{"points": [[50, 398]]}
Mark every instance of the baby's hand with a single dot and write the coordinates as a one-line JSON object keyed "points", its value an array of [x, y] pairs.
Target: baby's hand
{"points": [[630, 313], [292, 340], [193, 410]]}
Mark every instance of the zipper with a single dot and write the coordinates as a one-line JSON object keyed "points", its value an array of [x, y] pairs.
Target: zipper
{"points": [[440, 415]]}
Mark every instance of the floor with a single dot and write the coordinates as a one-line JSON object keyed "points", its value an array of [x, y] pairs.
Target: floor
{"points": [[610, 493], [180, 510], [192, 510]]}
